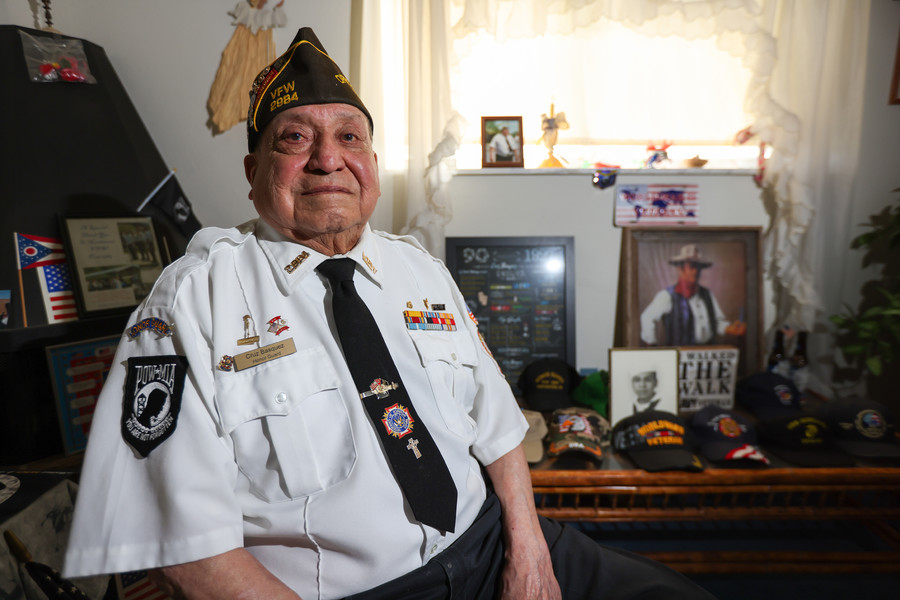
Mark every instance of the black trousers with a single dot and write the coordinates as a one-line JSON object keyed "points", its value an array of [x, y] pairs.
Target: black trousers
{"points": [[471, 567]]}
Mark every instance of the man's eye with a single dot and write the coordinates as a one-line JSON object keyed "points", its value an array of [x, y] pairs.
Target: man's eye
{"points": [[349, 137], [293, 136]]}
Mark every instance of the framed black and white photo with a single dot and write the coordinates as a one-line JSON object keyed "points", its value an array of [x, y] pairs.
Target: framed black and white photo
{"points": [[114, 261], [642, 379], [501, 142]]}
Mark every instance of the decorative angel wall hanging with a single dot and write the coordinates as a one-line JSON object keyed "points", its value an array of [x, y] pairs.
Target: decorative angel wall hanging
{"points": [[249, 50]]}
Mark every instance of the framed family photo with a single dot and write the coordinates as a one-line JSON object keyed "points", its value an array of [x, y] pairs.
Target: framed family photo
{"points": [[114, 260], [692, 286], [501, 142], [642, 379]]}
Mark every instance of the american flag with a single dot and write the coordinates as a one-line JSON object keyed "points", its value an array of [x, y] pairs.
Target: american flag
{"points": [[642, 205], [59, 298], [136, 586], [35, 251]]}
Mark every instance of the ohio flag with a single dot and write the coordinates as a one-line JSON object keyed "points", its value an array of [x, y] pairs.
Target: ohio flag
{"points": [[35, 251], [48, 257]]}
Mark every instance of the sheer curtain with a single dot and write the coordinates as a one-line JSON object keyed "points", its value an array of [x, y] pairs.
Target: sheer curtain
{"points": [[807, 62]]}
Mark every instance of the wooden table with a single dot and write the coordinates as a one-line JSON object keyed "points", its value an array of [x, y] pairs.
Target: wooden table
{"points": [[618, 493]]}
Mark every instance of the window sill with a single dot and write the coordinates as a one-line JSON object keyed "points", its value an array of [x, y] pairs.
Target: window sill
{"points": [[701, 172]]}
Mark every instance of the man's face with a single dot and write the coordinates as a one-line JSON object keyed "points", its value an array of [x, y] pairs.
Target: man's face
{"points": [[689, 272], [644, 385], [314, 174]]}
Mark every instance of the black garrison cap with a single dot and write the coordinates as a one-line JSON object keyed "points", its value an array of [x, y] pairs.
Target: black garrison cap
{"points": [[304, 74]]}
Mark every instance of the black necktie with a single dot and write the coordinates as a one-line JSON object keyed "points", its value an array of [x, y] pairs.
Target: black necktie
{"points": [[410, 449]]}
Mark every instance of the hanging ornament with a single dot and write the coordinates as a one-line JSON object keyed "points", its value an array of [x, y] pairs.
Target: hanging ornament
{"points": [[48, 18], [249, 50], [551, 126]]}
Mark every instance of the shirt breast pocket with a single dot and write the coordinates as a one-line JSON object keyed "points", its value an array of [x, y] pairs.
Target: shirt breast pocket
{"points": [[289, 427], [449, 366]]}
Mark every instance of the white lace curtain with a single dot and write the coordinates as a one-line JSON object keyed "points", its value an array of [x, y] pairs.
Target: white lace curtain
{"points": [[807, 58]]}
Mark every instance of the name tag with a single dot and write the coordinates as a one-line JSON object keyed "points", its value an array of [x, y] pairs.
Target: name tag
{"points": [[264, 354]]}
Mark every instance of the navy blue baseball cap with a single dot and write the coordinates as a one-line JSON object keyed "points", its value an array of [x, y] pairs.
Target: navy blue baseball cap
{"points": [[768, 395], [803, 440], [723, 435], [862, 427]]}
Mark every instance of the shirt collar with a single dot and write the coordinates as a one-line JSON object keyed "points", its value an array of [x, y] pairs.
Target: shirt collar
{"points": [[291, 262]]}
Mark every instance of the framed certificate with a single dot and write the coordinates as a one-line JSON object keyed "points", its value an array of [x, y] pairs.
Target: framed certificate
{"points": [[114, 261]]}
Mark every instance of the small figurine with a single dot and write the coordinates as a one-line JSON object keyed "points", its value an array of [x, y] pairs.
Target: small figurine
{"points": [[551, 126], [657, 155]]}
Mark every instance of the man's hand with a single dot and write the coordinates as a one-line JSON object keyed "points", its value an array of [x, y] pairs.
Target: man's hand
{"points": [[737, 328], [527, 572]]}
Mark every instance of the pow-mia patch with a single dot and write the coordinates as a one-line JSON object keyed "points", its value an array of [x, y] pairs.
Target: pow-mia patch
{"points": [[152, 400]]}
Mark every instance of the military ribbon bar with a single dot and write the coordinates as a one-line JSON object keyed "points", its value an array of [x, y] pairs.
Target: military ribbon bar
{"points": [[430, 320]]}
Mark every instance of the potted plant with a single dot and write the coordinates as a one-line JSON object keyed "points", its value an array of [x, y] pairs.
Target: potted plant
{"points": [[869, 337]]}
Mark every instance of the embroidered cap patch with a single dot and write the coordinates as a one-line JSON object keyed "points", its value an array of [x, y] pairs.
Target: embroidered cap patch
{"points": [[152, 400]]}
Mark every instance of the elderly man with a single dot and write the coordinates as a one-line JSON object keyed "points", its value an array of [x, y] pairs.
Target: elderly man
{"points": [[688, 311], [302, 408]]}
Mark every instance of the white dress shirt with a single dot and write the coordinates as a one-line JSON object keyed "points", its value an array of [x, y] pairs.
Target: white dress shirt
{"points": [[281, 457]]}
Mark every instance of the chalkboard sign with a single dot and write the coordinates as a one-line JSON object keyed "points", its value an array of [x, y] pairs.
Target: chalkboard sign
{"points": [[522, 292]]}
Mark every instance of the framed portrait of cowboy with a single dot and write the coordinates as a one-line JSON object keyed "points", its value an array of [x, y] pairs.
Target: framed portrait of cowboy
{"points": [[692, 286], [501, 142]]}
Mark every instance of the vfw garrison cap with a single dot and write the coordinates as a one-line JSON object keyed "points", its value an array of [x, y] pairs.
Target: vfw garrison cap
{"points": [[304, 74]]}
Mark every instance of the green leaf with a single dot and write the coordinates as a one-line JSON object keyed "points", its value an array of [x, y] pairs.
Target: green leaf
{"points": [[874, 365]]}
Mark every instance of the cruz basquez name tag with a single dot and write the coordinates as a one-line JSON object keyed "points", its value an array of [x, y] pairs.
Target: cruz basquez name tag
{"points": [[264, 354]]}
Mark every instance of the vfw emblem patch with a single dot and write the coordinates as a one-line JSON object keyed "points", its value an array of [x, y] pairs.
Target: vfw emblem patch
{"points": [[152, 400]]}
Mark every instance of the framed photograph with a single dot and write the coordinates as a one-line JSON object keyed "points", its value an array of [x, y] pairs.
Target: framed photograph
{"points": [[692, 286], [642, 379], [114, 261], [501, 142], [521, 290], [78, 371]]}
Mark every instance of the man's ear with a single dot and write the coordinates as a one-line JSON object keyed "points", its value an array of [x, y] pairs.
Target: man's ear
{"points": [[250, 165]]}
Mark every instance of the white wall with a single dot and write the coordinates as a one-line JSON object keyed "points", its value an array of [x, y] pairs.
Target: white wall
{"points": [[166, 53], [541, 204]]}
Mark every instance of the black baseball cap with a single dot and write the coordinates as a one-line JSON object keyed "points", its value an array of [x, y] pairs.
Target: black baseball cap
{"points": [[547, 384], [723, 435], [656, 440], [768, 395], [862, 427], [304, 74], [803, 440]]}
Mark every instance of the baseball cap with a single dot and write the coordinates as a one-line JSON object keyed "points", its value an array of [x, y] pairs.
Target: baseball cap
{"points": [[547, 384], [534, 437], [304, 74], [802, 439], [862, 427], [656, 440], [768, 395], [577, 429], [723, 435]]}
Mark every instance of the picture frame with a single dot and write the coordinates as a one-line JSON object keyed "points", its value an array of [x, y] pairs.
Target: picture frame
{"points": [[494, 141], [895, 80], [114, 261], [521, 291], [78, 371], [642, 379], [731, 278]]}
